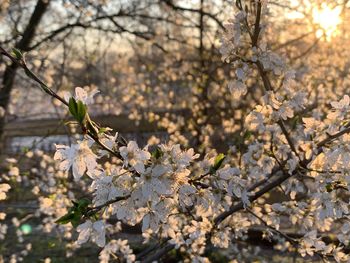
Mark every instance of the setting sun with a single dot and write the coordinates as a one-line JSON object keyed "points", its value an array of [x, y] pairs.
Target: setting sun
{"points": [[328, 19]]}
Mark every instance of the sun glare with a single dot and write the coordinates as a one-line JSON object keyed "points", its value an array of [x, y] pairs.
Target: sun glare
{"points": [[328, 19]]}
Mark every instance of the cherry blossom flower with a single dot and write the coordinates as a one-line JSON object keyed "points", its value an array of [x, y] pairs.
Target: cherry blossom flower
{"points": [[341, 108], [312, 125], [3, 231], [308, 148], [310, 244], [110, 142], [3, 189], [155, 181], [182, 158], [82, 95], [78, 156], [134, 156], [237, 88], [94, 231], [119, 247], [158, 214], [104, 189]]}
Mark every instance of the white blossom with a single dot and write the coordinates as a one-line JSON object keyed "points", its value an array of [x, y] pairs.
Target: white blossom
{"points": [[237, 88], [4, 188], [118, 247], [78, 156], [82, 95], [94, 231], [134, 156]]}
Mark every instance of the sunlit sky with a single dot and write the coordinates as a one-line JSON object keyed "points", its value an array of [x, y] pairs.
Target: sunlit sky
{"points": [[326, 17]]}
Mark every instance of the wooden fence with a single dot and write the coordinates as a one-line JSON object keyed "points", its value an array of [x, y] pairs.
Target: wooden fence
{"points": [[44, 133]]}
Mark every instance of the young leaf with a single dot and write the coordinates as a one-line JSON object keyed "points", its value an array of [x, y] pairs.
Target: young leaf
{"points": [[217, 162], [75, 221], [75, 213], [17, 53], [73, 107], [247, 135], [65, 219], [157, 153], [81, 111], [329, 187], [83, 204], [77, 109]]}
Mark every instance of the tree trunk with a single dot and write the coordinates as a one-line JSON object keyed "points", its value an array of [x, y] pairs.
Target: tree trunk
{"points": [[10, 70]]}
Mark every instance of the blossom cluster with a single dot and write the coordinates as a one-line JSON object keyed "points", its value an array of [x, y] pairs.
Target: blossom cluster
{"points": [[185, 201]]}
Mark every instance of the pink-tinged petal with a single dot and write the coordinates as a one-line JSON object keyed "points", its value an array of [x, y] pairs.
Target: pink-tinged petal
{"points": [[144, 156], [80, 94], [132, 146], [67, 95], [65, 165], [90, 162]]}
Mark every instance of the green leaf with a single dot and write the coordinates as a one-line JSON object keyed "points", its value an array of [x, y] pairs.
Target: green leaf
{"points": [[51, 244], [17, 53], [247, 135], [157, 153], [81, 111], [83, 204], [65, 219], [75, 213], [73, 217], [77, 109], [73, 106], [95, 216], [75, 221], [295, 121], [217, 162]]}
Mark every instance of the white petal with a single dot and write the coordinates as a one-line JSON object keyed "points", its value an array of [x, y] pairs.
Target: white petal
{"points": [[67, 95], [80, 94], [99, 226], [79, 169], [85, 231], [145, 222], [139, 167], [100, 239], [90, 162], [65, 165]]}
